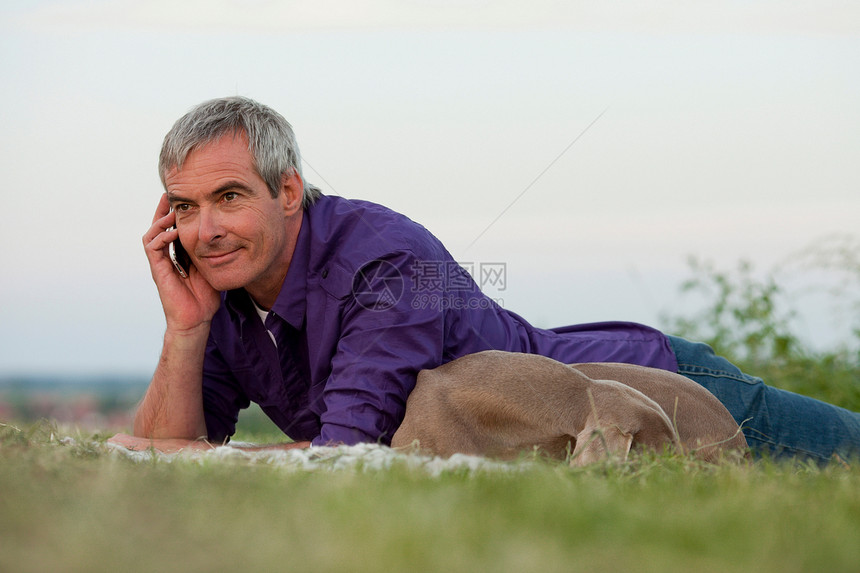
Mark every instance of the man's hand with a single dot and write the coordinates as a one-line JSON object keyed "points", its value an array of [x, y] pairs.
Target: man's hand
{"points": [[173, 404], [188, 303], [164, 445], [173, 445]]}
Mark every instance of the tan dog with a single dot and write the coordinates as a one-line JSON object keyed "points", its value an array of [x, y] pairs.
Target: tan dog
{"points": [[500, 404]]}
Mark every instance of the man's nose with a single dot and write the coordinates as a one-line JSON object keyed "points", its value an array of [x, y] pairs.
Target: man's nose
{"points": [[210, 227]]}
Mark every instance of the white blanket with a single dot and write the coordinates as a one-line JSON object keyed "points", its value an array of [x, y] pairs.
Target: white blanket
{"points": [[362, 457]]}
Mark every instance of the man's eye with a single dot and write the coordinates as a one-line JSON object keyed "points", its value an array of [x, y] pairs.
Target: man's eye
{"points": [[181, 207], [230, 196]]}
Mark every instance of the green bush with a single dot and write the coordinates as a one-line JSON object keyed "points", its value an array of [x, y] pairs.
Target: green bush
{"points": [[748, 318]]}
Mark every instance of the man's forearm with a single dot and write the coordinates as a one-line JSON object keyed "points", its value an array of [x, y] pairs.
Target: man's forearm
{"points": [[173, 404]]}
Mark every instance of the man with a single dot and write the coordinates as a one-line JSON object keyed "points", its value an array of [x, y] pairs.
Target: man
{"points": [[307, 305]]}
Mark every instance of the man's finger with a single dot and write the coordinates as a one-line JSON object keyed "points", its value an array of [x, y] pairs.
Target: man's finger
{"points": [[161, 226], [162, 209]]}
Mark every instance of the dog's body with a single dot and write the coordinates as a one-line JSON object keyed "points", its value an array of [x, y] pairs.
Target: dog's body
{"points": [[502, 403]]}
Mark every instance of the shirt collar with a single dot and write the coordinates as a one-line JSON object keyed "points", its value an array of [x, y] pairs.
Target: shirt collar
{"points": [[292, 299]]}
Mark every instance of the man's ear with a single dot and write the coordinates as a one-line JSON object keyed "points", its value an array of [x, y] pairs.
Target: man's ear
{"points": [[292, 192]]}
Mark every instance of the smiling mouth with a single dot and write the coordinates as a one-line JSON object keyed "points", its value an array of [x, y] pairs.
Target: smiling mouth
{"points": [[215, 259]]}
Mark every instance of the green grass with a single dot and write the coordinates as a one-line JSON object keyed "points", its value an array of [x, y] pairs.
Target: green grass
{"points": [[80, 508]]}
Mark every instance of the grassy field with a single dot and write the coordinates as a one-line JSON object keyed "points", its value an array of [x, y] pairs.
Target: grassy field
{"points": [[80, 507], [77, 506]]}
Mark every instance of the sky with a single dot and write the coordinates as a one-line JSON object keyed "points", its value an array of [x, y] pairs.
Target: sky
{"points": [[588, 147]]}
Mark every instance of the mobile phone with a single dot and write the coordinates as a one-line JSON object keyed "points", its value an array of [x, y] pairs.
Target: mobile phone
{"points": [[179, 257]]}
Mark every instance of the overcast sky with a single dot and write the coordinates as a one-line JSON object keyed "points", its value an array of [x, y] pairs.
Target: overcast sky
{"points": [[613, 138]]}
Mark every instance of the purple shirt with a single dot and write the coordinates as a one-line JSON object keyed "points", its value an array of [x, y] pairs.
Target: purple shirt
{"points": [[370, 299]]}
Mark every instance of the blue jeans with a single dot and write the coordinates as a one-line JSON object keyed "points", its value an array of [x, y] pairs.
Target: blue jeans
{"points": [[775, 422]]}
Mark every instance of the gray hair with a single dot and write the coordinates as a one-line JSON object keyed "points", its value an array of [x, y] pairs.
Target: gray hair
{"points": [[271, 140]]}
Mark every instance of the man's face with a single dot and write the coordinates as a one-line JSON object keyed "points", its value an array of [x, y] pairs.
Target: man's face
{"points": [[236, 233]]}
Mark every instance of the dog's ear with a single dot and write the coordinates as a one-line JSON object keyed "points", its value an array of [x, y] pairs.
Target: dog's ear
{"points": [[596, 443]]}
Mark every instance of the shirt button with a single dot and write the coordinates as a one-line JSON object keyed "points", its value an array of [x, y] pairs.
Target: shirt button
{"points": [[325, 273]]}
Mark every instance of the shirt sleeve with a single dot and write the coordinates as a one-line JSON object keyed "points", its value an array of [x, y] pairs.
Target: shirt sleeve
{"points": [[222, 396], [385, 340]]}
